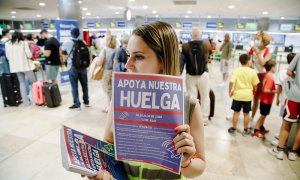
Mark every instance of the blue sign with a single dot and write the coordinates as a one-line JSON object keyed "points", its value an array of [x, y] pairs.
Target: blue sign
{"points": [[211, 25], [45, 25], [91, 25], [64, 77], [187, 24], [121, 24], [63, 29]]}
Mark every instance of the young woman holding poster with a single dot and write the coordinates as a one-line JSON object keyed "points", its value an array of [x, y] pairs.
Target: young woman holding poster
{"points": [[153, 48]]}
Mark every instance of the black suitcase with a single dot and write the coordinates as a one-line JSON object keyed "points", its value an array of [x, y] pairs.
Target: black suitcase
{"points": [[52, 94], [212, 103], [10, 89]]}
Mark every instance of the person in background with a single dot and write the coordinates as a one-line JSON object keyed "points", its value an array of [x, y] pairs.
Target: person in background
{"points": [[19, 54], [260, 54], [4, 66], [74, 73], [284, 83], [266, 99], [44, 35], [153, 48], [243, 81], [120, 58], [106, 60], [197, 78], [291, 113], [226, 49], [51, 52]]}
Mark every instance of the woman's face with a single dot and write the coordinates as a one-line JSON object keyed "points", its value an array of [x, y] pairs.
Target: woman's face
{"points": [[142, 59]]}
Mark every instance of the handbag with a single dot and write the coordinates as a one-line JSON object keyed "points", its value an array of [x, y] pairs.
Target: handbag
{"points": [[98, 73]]}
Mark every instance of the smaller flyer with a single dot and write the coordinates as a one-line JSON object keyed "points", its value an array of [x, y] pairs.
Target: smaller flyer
{"points": [[147, 108]]}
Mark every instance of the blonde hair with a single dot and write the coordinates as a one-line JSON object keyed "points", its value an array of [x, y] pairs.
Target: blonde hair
{"points": [[162, 39], [265, 38], [111, 41]]}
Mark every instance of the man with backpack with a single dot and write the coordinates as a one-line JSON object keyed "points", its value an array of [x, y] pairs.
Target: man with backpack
{"points": [[195, 56], [4, 67], [78, 59], [120, 58]]}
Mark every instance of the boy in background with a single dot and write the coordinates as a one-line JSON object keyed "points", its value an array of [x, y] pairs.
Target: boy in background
{"points": [[284, 83], [266, 99], [242, 83]]}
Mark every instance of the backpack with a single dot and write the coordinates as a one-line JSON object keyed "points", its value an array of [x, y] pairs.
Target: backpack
{"points": [[195, 58], [35, 50], [122, 60], [81, 55], [2, 48]]}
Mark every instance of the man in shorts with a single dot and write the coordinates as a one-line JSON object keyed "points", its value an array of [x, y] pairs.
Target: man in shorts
{"points": [[51, 52], [226, 55], [291, 113]]}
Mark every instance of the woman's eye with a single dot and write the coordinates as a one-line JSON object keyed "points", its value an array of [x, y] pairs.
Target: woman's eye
{"points": [[137, 57]]}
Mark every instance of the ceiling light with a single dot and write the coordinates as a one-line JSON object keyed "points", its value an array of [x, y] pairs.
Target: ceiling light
{"points": [[13, 17], [208, 16], [13, 12], [117, 12], [189, 12], [88, 13], [265, 13], [282, 18], [231, 7], [145, 7], [84, 9], [97, 17], [58, 18], [131, 0], [38, 15], [79, 2], [157, 16], [186, 16], [154, 12], [42, 4]]}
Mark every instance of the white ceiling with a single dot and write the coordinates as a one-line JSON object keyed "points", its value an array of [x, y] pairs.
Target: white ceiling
{"points": [[289, 9]]}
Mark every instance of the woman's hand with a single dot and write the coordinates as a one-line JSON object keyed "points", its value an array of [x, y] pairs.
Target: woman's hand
{"points": [[184, 143], [102, 175]]}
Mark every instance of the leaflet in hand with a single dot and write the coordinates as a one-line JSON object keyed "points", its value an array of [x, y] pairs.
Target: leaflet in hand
{"points": [[147, 108], [85, 155]]}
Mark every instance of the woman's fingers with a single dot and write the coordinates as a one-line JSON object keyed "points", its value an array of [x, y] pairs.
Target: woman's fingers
{"points": [[182, 128], [183, 142], [182, 136]]}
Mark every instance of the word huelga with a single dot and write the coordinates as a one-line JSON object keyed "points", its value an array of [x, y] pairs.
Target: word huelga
{"points": [[153, 85], [148, 100]]}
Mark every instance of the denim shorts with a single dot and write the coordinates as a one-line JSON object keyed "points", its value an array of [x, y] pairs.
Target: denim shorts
{"points": [[51, 72]]}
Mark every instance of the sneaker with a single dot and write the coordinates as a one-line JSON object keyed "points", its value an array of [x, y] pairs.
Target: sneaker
{"points": [[259, 135], [263, 130], [232, 130], [275, 142], [292, 156], [86, 105], [75, 107], [276, 136], [206, 122], [246, 133], [276, 153]]}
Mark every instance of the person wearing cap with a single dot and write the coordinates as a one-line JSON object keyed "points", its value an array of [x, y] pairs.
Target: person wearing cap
{"points": [[75, 74], [51, 52]]}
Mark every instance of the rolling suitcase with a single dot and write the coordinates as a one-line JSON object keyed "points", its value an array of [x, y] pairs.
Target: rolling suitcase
{"points": [[52, 94], [38, 93], [10, 89]]}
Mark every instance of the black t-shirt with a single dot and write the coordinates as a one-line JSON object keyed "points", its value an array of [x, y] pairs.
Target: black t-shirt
{"points": [[53, 45], [41, 42]]}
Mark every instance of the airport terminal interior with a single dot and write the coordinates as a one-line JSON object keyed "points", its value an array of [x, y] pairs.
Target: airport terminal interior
{"points": [[30, 134]]}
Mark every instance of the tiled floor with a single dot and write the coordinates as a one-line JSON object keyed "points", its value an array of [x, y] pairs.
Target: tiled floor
{"points": [[29, 140]]}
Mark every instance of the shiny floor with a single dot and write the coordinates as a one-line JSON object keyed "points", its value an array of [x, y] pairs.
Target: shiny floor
{"points": [[29, 140]]}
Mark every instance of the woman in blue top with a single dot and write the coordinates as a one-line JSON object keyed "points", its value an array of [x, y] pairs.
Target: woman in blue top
{"points": [[153, 48]]}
